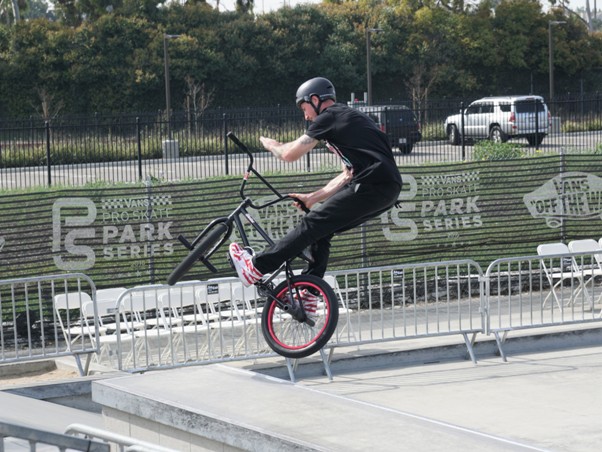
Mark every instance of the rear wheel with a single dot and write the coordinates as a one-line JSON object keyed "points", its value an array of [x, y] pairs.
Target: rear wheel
{"points": [[406, 148], [211, 239], [452, 135], [497, 135], [285, 329], [536, 140]]}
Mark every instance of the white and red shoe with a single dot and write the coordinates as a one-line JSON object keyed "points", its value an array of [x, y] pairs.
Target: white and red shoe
{"points": [[310, 302], [243, 264]]}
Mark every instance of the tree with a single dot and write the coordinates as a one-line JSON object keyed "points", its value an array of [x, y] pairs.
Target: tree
{"points": [[244, 6], [10, 10], [115, 62], [432, 49]]}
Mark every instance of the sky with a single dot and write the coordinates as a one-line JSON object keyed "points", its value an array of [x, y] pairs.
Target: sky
{"points": [[271, 5], [267, 5]]}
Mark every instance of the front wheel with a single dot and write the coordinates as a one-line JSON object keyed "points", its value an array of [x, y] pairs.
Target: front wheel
{"points": [[210, 241], [288, 333]]}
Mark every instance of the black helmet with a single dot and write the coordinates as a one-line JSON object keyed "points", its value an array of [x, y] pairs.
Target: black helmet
{"points": [[318, 86]]}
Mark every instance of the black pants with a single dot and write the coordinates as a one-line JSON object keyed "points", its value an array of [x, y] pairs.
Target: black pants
{"points": [[351, 206]]}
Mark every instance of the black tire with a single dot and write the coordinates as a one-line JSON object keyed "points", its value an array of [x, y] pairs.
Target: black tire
{"points": [[405, 149], [453, 136], [536, 140], [212, 239], [497, 135], [297, 339]]}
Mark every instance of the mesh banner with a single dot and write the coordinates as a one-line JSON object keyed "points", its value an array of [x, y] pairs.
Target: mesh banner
{"points": [[127, 235]]}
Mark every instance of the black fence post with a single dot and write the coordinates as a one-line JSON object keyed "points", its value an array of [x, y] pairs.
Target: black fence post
{"points": [[49, 174], [536, 106], [226, 163], [562, 170], [462, 131], [149, 212], [139, 144]]}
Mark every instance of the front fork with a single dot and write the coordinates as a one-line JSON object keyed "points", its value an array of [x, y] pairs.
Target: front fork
{"points": [[295, 310]]}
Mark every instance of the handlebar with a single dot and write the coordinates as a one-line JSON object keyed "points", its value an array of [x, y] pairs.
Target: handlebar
{"points": [[250, 170]]}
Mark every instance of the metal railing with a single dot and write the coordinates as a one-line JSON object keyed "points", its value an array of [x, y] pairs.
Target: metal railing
{"points": [[217, 320], [122, 443], [541, 291], [201, 322], [42, 318], [18, 437], [129, 148]]}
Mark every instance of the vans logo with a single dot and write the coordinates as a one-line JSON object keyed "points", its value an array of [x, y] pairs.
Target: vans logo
{"points": [[573, 195]]}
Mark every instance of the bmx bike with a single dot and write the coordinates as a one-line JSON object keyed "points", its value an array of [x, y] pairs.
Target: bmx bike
{"points": [[290, 328]]}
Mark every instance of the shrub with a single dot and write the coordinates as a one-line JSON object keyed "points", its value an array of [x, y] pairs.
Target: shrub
{"points": [[488, 150]]}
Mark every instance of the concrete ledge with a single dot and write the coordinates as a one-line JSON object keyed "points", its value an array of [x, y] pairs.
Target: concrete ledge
{"points": [[43, 415], [433, 350], [219, 406], [18, 369]]}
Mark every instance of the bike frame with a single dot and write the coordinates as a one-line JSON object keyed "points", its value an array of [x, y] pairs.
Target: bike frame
{"points": [[233, 220]]}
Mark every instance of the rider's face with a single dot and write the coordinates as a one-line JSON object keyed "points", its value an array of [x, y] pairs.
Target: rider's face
{"points": [[308, 111]]}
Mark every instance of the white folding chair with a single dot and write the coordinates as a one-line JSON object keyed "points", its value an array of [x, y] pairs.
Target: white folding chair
{"points": [[177, 306], [106, 307], [589, 265], [146, 330], [64, 306], [555, 270]]}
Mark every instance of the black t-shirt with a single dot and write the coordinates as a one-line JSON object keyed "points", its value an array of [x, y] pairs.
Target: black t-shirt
{"points": [[358, 141]]}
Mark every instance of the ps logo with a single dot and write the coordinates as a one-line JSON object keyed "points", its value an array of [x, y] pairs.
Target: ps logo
{"points": [[82, 256]]}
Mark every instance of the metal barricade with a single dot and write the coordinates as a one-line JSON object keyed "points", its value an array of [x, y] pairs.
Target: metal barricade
{"points": [[219, 320], [43, 318], [18, 437], [541, 291], [193, 322], [201, 322], [410, 301]]}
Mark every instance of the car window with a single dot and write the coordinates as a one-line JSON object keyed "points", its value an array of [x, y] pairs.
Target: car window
{"points": [[505, 107], [473, 109], [528, 106], [400, 116], [487, 108]]}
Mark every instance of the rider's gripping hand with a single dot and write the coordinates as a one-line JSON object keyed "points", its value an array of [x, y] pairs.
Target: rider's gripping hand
{"points": [[306, 199]]}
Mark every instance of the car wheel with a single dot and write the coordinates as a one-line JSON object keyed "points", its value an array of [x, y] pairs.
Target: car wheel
{"points": [[452, 135], [535, 140], [406, 148], [497, 135]]}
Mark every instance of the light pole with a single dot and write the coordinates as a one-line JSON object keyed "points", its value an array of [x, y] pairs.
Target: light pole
{"points": [[369, 31], [167, 90], [551, 54]]}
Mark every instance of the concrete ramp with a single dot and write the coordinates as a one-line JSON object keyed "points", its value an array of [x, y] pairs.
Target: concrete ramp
{"points": [[212, 406], [39, 414]]}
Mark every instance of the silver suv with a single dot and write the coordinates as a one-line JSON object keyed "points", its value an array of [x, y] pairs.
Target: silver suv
{"points": [[500, 119]]}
